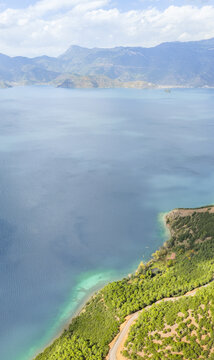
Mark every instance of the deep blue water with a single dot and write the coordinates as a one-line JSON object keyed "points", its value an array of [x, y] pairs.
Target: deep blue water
{"points": [[84, 175]]}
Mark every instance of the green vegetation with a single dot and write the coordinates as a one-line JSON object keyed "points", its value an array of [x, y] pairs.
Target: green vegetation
{"points": [[184, 263], [85, 339], [183, 329]]}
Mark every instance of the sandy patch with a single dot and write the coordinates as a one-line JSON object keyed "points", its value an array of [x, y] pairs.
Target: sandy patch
{"points": [[172, 256]]}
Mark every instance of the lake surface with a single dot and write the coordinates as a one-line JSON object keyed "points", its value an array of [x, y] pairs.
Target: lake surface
{"points": [[84, 176]]}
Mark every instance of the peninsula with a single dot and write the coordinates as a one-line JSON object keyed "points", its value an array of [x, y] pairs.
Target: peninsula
{"points": [[165, 310]]}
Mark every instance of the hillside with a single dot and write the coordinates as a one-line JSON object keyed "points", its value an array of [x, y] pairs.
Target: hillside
{"points": [[183, 328], [188, 64], [178, 329], [176, 63]]}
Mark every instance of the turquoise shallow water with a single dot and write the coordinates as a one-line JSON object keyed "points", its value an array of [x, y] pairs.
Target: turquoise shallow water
{"points": [[85, 176]]}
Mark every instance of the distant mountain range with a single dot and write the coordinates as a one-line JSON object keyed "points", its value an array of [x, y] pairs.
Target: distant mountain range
{"points": [[188, 64]]}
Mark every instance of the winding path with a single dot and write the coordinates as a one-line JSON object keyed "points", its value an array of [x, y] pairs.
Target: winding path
{"points": [[119, 341]]}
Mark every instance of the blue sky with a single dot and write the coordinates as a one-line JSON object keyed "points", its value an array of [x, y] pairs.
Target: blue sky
{"points": [[123, 5], [160, 4], [37, 27]]}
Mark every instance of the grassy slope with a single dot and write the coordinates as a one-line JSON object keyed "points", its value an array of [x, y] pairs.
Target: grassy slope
{"points": [[184, 263]]}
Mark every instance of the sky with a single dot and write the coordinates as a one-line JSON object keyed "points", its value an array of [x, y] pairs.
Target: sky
{"points": [[48, 27]]}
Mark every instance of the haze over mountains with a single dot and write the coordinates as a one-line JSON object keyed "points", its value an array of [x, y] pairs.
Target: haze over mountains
{"points": [[188, 64]]}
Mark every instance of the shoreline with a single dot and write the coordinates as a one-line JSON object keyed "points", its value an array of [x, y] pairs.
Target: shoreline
{"points": [[95, 289], [155, 87], [162, 218], [79, 308], [77, 312]]}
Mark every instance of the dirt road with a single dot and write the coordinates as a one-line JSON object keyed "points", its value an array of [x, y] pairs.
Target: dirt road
{"points": [[115, 351]]}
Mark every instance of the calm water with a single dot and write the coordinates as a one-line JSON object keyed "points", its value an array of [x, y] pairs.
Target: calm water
{"points": [[84, 176]]}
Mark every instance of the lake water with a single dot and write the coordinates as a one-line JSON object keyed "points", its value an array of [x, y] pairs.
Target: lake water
{"points": [[84, 176]]}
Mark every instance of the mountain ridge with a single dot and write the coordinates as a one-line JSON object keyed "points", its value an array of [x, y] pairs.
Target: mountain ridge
{"points": [[182, 64]]}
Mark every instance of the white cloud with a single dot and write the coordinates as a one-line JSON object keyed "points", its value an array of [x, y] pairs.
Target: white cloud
{"points": [[50, 26], [44, 6]]}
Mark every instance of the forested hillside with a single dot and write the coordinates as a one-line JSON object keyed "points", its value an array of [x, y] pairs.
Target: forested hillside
{"points": [[185, 262], [180, 329]]}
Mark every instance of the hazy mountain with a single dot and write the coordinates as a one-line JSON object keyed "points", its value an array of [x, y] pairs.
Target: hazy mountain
{"points": [[190, 63], [176, 63]]}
